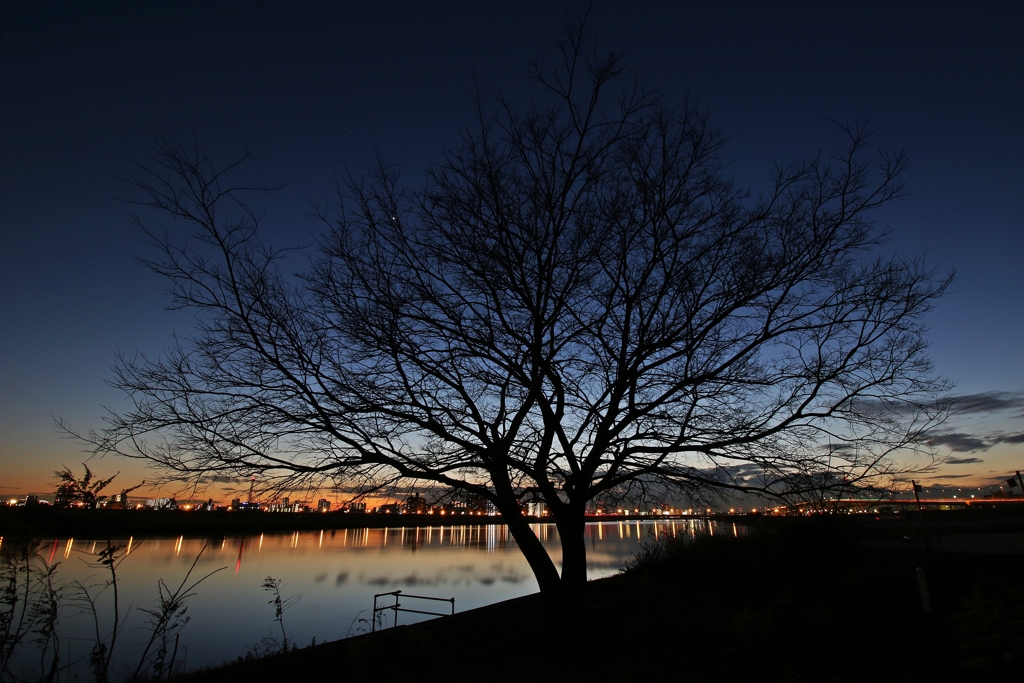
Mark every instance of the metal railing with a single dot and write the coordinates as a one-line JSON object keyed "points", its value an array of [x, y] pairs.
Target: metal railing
{"points": [[397, 607]]}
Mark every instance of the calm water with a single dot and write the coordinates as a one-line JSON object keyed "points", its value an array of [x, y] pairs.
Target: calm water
{"points": [[334, 574]]}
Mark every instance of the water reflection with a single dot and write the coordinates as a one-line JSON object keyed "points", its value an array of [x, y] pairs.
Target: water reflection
{"points": [[335, 572]]}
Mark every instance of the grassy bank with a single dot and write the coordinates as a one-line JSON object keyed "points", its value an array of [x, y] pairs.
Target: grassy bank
{"points": [[793, 602]]}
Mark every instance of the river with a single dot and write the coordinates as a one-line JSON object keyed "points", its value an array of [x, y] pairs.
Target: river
{"points": [[327, 582]]}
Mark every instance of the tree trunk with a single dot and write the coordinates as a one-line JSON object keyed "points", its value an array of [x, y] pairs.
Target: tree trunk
{"points": [[533, 550], [571, 524], [571, 529]]}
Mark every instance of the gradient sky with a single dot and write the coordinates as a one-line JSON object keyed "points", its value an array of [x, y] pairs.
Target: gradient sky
{"points": [[83, 90]]}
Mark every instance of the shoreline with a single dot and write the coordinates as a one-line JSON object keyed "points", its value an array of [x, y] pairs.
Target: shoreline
{"points": [[98, 524], [161, 523]]}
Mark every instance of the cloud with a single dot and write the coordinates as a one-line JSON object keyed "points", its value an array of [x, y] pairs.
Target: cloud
{"points": [[982, 403], [959, 442], [904, 408], [987, 402], [963, 461], [948, 476]]}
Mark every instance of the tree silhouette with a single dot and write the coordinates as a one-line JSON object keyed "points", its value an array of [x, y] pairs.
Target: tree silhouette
{"points": [[578, 303], [71, 489]]}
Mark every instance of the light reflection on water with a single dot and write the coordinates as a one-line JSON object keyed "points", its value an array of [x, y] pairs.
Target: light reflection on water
{"points": [[336, 572]]}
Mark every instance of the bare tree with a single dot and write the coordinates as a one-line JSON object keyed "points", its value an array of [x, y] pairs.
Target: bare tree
{"points": [[71, 489], [577, 303]]}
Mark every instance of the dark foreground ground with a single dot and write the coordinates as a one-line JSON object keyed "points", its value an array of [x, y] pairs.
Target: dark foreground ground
{"points": [[810, 602]]}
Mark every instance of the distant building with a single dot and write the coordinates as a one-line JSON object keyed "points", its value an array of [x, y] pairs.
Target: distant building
{"points": [[479, 505], [289, 505], [65, 496], [452, 509], [536, 509], [416, 505], [323, 506]]}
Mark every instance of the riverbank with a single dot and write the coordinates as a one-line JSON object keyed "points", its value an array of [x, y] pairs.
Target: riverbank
{"points": [[49, 522], [46, 522], [807, 602]]}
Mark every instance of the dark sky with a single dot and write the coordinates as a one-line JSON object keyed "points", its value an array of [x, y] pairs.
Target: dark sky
{"points": [[320, 89]]}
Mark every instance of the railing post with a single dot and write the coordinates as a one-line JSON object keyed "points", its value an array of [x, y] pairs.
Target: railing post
{"points": [[397, 607]]}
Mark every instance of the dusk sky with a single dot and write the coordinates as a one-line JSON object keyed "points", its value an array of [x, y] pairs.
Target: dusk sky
{"points": [[324, 88]]}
